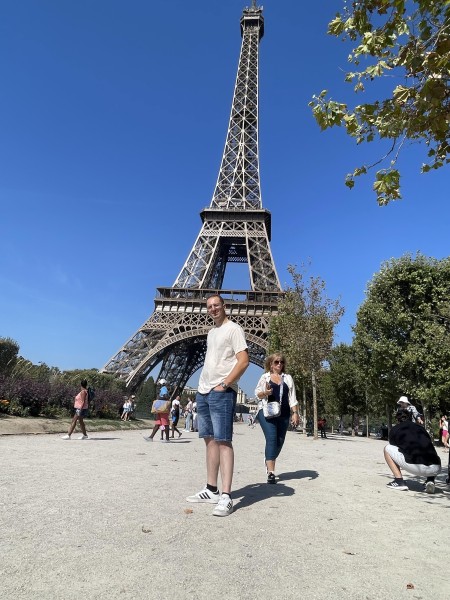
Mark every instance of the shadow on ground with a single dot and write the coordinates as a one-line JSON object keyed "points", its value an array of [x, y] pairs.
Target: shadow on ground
{"points": [[256, 492]]}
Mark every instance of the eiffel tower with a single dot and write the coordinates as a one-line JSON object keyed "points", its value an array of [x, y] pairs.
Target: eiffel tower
{"points": [[235, 229]]}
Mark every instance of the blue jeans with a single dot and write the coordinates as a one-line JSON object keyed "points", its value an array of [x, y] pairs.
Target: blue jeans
{"points": [[188, 421], [215, 411], [275, 433]]}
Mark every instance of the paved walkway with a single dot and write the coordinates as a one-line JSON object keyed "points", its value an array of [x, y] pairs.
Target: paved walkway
{"points": [[106, 519]]}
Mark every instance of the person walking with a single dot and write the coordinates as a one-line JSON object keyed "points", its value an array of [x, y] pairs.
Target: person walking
{"points": [[162, 418], [188, 419], [175, 416], [443, 427], [322, 424], [276, 386], [194, 416], [225, 361], [126, 409], [410, 448], [81, 410]]}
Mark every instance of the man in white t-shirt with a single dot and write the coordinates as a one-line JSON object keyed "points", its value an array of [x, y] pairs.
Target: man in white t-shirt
{"points": [[225, 361]]}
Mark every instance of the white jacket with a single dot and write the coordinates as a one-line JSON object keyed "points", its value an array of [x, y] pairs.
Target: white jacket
{"points": [[287, 379]]}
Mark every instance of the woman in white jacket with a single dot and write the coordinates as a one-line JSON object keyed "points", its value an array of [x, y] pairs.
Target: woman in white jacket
{"points": [[276, 386]]}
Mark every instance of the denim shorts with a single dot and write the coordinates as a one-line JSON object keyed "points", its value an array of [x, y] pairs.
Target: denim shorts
{"points": [[216, 414], [81, 412]]}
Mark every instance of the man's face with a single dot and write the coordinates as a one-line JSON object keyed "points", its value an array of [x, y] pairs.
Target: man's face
{"points": [[215, 308]]}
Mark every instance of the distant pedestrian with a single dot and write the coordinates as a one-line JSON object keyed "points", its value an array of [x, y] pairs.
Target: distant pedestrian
{"points": [[276, 386], [410, 448], [81, 411], [403, 402], [322, 424], [175, 415], [133, 407], [126, 408], [443, 427], [188, 413], [162, 418], [194, 416]]}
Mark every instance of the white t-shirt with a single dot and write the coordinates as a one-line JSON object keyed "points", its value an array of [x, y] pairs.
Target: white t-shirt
{"points": [[223, 343]]}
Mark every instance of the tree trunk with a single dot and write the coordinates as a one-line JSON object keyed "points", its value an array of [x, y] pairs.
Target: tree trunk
{"points": [[314, 394], [388, 418], [304, 408], [367, 415]]}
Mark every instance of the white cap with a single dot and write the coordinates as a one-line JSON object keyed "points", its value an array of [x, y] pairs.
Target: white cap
{"points": [[162, 381], [403, 399]]}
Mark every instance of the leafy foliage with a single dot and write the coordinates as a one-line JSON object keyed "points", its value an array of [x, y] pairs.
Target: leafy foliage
{"points": [[346, 381], [32, 390], [409, 43], [145, 396], [402, 334], [9, 349]]}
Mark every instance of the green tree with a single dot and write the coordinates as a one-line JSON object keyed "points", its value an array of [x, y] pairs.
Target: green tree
{"points": [[408, 44], [303, 329], [347, 382], [402, 335], [145, 396], [9, 350]]}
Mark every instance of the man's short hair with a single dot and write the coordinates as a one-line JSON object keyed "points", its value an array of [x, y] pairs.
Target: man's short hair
{"points": [[215, 296]]}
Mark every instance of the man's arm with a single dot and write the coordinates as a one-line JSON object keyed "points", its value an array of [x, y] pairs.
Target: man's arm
{"points": [[238, 369]]}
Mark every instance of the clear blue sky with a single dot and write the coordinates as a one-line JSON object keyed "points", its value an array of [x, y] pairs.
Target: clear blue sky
{"points": [[113, 120]]}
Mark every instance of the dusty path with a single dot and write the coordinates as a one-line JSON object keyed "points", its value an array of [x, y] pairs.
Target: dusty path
{"points": [[106, 519]]}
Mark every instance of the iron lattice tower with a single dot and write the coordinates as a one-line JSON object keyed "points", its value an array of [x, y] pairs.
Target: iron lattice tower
{"points": [[235, 229]]}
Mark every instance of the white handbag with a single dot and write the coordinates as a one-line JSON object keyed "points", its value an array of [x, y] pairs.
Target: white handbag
{"points": [[271, 409]]}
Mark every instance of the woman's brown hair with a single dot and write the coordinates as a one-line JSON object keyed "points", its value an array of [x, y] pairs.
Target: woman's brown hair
{"points": [[276, 355]]}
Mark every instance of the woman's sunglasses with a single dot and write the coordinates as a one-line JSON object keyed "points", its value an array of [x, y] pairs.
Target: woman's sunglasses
{"points": [[278, 362]]}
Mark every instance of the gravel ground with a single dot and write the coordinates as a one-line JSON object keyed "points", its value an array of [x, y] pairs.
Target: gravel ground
{"points": [[106, 518]]}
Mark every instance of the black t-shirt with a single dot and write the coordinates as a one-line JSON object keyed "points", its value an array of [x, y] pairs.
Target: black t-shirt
{"points": [[285, 408], [414, 443]]}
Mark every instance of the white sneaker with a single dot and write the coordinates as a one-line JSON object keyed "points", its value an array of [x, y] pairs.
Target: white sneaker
{"points": [[83, 437], [204, 496], [430, 487], [147, 439], [65, 437], [224, 506]]}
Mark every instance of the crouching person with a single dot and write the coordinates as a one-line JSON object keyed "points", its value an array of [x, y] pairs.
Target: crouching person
{"points": [[411, 449]]}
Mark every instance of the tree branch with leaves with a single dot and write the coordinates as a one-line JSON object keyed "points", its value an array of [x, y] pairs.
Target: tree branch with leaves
{"points": [[409, 42]]}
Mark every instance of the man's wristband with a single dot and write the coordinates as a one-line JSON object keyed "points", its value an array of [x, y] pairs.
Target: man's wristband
{"points": [[224, 385]]}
